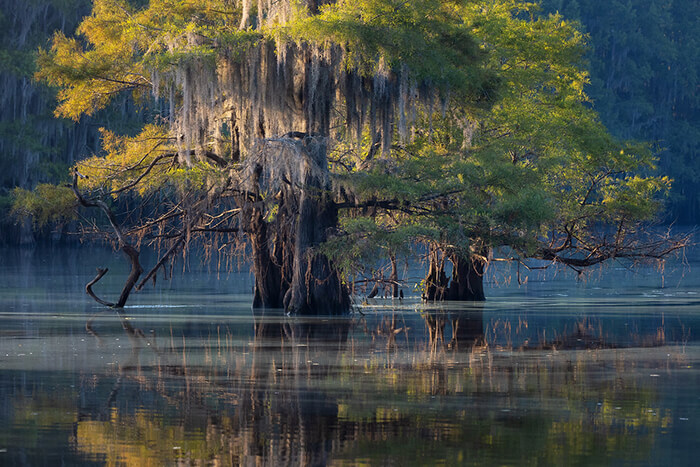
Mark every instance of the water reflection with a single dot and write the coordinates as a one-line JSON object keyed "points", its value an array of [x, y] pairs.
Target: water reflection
{"points": [[205, 381], [348, 391], [466, 326], [214, 393]]}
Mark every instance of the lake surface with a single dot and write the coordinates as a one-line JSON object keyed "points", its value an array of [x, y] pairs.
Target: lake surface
{"points": [[554, 372]]}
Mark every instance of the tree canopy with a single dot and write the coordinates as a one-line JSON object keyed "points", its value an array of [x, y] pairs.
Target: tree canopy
{"points": [[321, 137]]}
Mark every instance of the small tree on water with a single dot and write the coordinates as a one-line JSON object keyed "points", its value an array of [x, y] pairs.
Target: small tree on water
{"points": [[324, 135]]}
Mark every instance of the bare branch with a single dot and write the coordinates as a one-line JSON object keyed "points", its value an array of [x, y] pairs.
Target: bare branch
{"points": [[151, 274], [131, 252], [88, 288]]}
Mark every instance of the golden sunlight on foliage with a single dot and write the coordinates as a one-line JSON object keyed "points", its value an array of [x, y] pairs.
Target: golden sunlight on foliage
{"points": [[361, 129], [140, 162]]}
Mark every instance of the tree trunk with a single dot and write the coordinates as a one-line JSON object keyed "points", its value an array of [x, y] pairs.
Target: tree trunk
{"points": [[268, 281], [467, 283], [394, 277], [267, 293], [296, 276], [316, 287]]}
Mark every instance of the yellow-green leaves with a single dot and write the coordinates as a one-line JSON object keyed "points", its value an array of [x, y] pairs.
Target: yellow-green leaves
{"points": [[46, 203], [634, 196], [91, 73], [120, 47], [141, 163], [496, 142]]}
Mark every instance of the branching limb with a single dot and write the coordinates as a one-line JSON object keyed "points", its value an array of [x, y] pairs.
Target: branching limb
{"points": [[131, 252], [143, 174]]}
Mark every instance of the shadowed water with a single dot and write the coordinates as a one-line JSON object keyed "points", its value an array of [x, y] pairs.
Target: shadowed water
{"points": [[558, 371]]}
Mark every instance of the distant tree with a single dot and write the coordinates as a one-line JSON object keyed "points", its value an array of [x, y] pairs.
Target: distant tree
{"points": [[316, 134]]}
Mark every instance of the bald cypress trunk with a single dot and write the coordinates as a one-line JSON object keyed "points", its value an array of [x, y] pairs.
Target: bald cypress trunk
{"points": [[290, 270], [436, 281], [316, 287], [467, 282], [268, 280]]}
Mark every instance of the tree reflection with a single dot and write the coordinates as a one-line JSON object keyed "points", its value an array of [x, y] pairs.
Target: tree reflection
{"points": [[318, 392], [466, 326]]}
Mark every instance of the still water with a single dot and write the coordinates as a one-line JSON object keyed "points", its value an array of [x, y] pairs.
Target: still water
{"points": [[553, 372]]}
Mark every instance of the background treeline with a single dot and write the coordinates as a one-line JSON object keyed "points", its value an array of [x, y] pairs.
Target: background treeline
{"points": [[644, 65], [644, 77], [36, 147]]}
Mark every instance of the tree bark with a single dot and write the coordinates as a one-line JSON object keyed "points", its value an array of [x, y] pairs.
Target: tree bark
{"points": [[467, 282], [131, 252], [316, 287], [436, 281], [290, 271], [268, 292], [394, 277], [136, 270]]}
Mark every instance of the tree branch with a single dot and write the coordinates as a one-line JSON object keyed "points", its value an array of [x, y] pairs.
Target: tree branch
{"points": [[131, 252], [161, 262], [88, 288]]}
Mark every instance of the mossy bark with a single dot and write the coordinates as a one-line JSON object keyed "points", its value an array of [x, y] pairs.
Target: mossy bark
{"points": [[436, 282], [296, 275], [268, 279], [316, 287]]}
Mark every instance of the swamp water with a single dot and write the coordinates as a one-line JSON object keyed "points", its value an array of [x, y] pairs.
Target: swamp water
{"points": [[554, 372]]}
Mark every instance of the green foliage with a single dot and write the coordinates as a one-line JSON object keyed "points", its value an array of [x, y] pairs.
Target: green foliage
{"points": [[122, 45], [142, 164], [125, 160], [45, 204], [34, 147], [429, 38], [537, 165], [515, 155], [645, 66]]}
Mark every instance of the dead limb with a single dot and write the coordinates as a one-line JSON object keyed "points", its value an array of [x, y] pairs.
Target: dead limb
{"points": [[152, 273], [131, 252], [88, 288]]}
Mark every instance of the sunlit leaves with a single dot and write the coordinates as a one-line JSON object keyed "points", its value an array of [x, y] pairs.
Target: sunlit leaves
{"points": [[128, 160], [514, 151], [119, 47], [88, 80], [45, 204]]}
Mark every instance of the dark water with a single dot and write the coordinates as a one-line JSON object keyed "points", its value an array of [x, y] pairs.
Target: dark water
{"points": [[555, 372]]}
